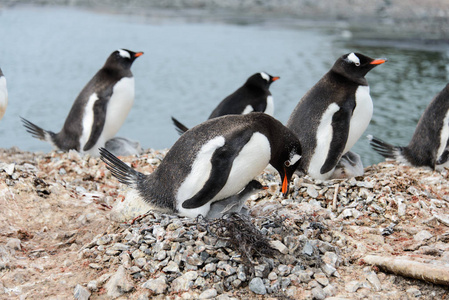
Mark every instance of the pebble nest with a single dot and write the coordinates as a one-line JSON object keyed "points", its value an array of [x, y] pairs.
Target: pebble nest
{"points": [[309, 245]]}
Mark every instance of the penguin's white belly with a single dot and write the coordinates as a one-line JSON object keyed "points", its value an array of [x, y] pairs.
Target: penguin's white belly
{"points": [[251, 161], [3, 96], [324, 137], [117, 110], [361, 116], [269, 110], [444, 136]]}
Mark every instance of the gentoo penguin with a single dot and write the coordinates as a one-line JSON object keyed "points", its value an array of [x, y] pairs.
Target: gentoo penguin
{"points": [[99, 110], [234, 203], [254, 95], [213, 161], [333, 114], [429, 146], [3, 95]]}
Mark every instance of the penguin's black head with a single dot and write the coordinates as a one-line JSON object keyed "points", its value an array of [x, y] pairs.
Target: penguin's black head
{"points": [[262, 79], [356, 65], [287, 162], [123, 58]]}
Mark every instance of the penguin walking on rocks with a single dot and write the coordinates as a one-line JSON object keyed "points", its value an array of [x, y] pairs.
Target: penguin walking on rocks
{"points": [[333, 114], [213, 161], [235, 203], [3, 95], [253, 96], [99, 110], [429, 146]]}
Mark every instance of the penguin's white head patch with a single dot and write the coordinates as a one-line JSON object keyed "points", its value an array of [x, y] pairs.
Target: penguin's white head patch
{"points": [[124, 53], [293, 159], [354, 59], [265, 76]]}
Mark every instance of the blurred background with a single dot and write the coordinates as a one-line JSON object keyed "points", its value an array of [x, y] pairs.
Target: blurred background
{"points": [[198, 52]]}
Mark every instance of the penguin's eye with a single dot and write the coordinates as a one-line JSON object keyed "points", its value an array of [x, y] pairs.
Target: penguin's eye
{"points": [[357, 64], [287, 163]]}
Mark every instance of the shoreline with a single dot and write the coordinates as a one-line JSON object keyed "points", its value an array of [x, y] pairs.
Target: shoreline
{"points": [[426, 23]]}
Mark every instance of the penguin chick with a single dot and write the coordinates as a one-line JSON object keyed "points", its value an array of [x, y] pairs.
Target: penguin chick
{"points": [[234, 203]]}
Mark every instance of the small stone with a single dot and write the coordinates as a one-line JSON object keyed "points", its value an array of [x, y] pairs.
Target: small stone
{"points": [[119, 247], [272, 276], [208, 294], [137, 254], [352, 286], [307, 249], [414, 292], [103, 240], [80, 293], [261, 270], [118, 284], [318, 293], [92, 286], [312, 192], [304, 276], [184, 282], [329, 291], [321, 278], [374, 280], [96, 266], [257, 286], [172, 267], [278, 245], [14, 244], [330, 258], [422, 236], [158, 285], [140, 262], [328, 269], [210, 267]]}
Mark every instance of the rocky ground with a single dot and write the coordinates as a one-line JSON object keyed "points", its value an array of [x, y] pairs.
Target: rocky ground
{"points": [[58, 237]]}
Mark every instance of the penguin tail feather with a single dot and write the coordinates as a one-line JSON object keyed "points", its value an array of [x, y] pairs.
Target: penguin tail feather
{"points": [[180, 128], [383, 148], [38, 132], [124, 173]]}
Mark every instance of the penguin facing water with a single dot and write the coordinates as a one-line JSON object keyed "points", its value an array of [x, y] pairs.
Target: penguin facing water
{"points": [[429, 146], [99, 110], [3, 95], [213, 161], [253, 96], [333, 114]]}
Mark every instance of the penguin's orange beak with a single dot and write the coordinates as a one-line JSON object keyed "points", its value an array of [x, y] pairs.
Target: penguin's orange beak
{"points": [[265, 187], [138, 54], [285, 186], [378, 61], [275, 78]]}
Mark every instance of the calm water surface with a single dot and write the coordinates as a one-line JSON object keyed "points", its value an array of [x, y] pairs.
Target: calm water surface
{"points": [[49, 54]]}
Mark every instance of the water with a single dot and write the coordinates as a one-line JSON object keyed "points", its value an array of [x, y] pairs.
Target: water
{"points": [[49, 54]]}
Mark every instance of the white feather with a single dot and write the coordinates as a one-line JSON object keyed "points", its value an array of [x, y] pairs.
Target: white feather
{"points": [[353, 58], [269, 110], [3, 96], [124, 53], [248, 109], [444, 136], [250, 162], [88, 120], [265, 76], [360, 117], [117, 110], [324, 136]]}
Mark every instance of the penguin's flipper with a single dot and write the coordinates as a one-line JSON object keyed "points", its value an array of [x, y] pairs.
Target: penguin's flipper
{"points": [[124, 173], [99, 111], [443, 158], [222, 161], [180, 128], [383, 148], [340, 131], [37, 132]]}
